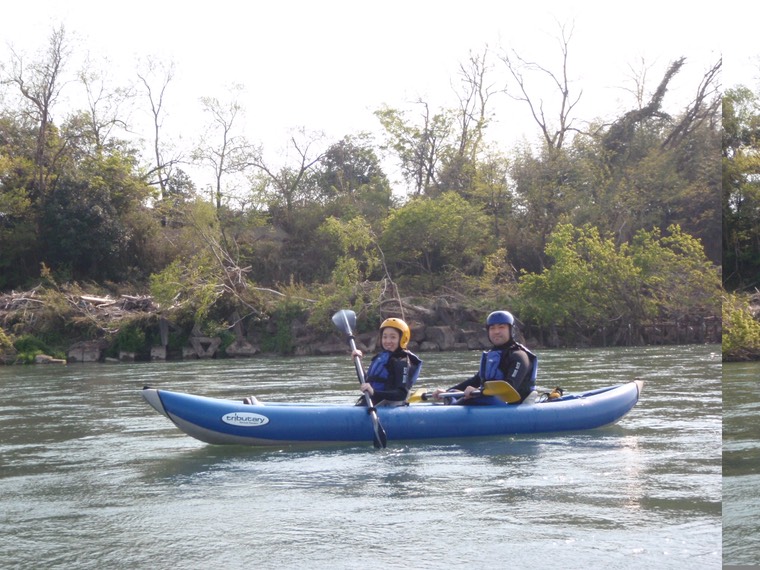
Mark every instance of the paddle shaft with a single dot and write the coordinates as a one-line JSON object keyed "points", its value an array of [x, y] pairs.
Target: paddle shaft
{"points": [[360, 375], [342, 319], [380, 439], [502, 390], [429, 395]]}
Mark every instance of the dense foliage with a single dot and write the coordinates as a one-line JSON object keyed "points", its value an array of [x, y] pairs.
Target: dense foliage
{"points": [[741, 329], [741, 222], [741, 189], [593, 282], [616, 224]]}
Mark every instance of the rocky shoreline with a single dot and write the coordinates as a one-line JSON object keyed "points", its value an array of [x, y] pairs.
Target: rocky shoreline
{"points": [[442, 327], [430, 339]]}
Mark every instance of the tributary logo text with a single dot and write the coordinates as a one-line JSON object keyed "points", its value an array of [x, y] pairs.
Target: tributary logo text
{"points": [[245, 419]]}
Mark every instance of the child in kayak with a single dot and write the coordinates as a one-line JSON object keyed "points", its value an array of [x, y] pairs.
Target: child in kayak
{"points": [[393, 370]]}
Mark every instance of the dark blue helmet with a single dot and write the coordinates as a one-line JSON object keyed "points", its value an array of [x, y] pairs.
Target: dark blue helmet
{"points": [[500, 318]]}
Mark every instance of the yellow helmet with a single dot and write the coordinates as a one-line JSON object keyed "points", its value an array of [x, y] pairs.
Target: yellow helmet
{"points": [[400, 326]]}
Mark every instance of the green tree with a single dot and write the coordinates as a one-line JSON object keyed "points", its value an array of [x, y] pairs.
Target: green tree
{"points": [[436, 235], [676, 274], [418, 146], [741, 188], [351, 179], [592, 282], [647, 169], [204, 281], [194, 284], [357, 245], [490, 190], [40, 83], [663, 169], [358, 257], [546, 191], [19, 256], [741, 331], [86, 220]]}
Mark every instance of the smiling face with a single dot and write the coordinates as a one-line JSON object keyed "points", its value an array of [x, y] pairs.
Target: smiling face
{"points": [[390, 339], [499, 334]]}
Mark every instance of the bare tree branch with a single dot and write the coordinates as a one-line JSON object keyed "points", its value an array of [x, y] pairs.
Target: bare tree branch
{"points": [[163, 167], [554, 134], [104, 105], [473, 103], [704, 107], [40, 84], [287, 181], [621, 132], [221, 148]]}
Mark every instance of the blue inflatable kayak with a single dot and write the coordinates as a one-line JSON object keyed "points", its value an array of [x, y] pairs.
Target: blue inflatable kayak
{"points": [[220, 421]]}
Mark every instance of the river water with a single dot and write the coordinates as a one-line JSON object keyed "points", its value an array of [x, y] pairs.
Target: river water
{"points": [[92, 477], [741, 463]]}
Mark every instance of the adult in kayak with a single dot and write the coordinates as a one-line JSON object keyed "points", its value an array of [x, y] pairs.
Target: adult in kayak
{"points": [[508, 360], [393, 370]]}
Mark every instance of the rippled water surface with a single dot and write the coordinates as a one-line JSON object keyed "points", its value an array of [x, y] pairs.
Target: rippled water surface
{"points": [[741, 463], [92, 477]]}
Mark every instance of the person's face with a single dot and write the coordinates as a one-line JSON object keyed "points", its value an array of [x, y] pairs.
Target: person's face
{"points": [[499, 334], [390, 339]]}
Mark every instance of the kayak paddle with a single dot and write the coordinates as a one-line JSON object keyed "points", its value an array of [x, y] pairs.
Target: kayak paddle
{"points": [[502, 390], [345, 320]]}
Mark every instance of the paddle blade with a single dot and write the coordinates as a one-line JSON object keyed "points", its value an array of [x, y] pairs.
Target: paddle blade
{"points": [[345, 320], [418, 396], [380, 441], [502, 390]]}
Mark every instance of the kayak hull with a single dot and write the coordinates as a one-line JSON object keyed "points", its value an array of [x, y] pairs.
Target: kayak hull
{"points": [[220, 421]]}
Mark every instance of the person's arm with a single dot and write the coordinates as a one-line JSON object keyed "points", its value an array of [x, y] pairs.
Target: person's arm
{"points": [[473, 381], [397, 394]]}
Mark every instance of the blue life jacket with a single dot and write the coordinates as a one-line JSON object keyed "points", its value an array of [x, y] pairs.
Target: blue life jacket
{"points": [[379, 371]]}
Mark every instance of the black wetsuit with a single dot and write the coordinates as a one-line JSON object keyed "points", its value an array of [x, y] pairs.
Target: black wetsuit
{"points": [[515, 366]]}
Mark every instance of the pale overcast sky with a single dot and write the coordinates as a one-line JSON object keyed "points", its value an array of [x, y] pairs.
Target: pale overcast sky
{"points": [[327, 65]]}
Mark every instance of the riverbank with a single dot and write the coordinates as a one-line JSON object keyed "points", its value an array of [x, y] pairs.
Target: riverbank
{"points": [[87, 327], [51, 326], [131, 328]]}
